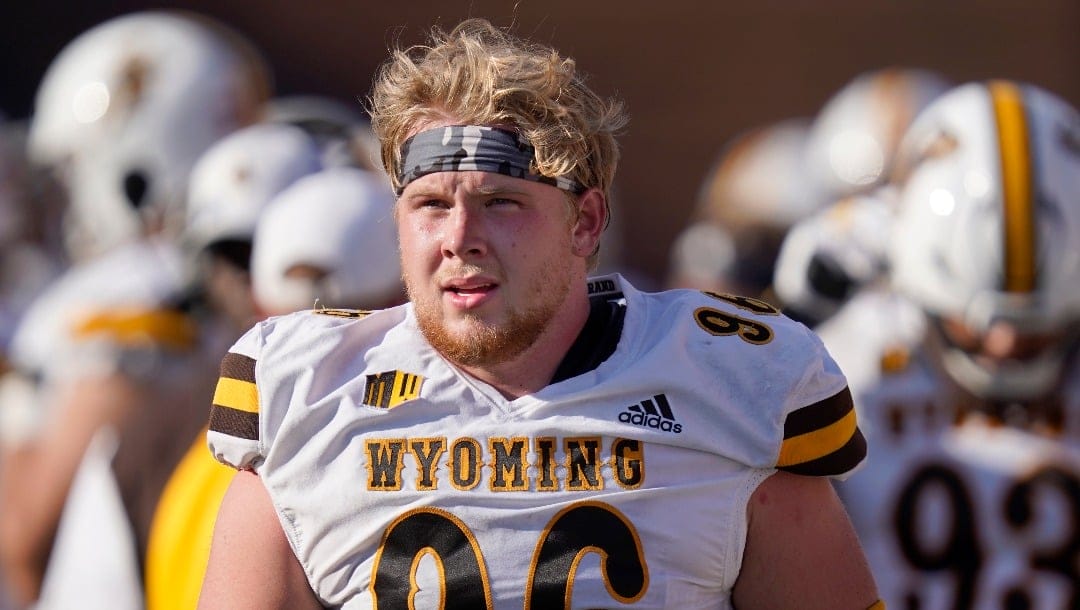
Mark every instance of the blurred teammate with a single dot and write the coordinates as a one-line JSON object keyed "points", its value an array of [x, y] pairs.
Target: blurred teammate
{"points": [[971, 494], [230, 187], [850, 156], [756, 190], [343, 132], [29, 255], [326, 241], [30, 252], [118, 362], [329, 241], [516, 434]]}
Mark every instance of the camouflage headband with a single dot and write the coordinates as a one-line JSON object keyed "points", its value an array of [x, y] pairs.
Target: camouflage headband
{"points": [[459, 148]]}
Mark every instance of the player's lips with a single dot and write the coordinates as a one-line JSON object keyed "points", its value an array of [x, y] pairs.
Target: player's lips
{"points": [[469, 292]]}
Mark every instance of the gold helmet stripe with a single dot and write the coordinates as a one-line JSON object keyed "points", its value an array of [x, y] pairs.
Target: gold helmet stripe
{"points": [[1013, 144]]}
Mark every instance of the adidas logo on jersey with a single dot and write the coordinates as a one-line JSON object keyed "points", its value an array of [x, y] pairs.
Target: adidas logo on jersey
{"points": [[653, 413]]}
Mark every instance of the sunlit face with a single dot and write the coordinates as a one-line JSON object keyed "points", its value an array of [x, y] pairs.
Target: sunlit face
{"points": [[488, 261]]}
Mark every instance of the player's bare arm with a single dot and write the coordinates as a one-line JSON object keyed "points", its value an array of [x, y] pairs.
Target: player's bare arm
{"points": [[801, 550], [37, 475], [251, 564]]}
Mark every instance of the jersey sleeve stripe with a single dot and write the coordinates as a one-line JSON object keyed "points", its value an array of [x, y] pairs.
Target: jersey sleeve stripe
{"points": [[818, 415], [236, 394], [238, 366], [822, 442], [235, 409], [233, 422], [838, 462]]}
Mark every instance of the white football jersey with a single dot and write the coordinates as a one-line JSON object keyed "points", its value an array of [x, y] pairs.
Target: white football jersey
{"points": [[956, 509], [871, 334], [114, 314], [108, 303], [401, 481]]}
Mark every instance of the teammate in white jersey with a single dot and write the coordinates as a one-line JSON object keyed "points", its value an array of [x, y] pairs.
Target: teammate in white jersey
{"points": [[120, 115], [516, 435], [970, 497]]}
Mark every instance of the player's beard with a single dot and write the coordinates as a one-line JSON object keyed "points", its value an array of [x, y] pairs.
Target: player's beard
{"points": [[483, 343]]}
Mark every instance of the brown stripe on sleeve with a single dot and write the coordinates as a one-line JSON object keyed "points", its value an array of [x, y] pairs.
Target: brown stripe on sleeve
{"points": [[234, 422], [838, 462], [818, 415], [238, 366]]}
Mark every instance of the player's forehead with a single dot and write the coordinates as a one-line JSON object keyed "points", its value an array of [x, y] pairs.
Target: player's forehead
{"points": [[474, 183]]}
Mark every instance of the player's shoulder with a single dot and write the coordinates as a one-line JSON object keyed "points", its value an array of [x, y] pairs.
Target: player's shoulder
{"points": [[716, 325], [303, 337], [313, 323], [770, 375], [260, 371]]}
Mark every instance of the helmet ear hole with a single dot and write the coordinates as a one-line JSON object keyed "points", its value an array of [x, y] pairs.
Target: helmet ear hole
{"points": [[136, 186]]}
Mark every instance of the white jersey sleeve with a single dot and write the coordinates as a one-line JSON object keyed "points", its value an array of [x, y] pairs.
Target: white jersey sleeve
{"points": [[794, 409], [241, 430], [233, 436]]}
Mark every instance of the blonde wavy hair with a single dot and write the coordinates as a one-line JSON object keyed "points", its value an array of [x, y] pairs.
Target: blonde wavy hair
{"points": [[481, 75]]}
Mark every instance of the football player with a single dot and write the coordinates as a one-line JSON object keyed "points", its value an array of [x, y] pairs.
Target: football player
{"points": [[971, 493], [343, 132], [120, 116], [326, 241], [827, 256], [755, 191], [30, 207], [230, 189], [517, 435]]}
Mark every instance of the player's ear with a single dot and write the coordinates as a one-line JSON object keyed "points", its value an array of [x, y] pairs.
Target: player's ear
{"points": [[592, 214]]}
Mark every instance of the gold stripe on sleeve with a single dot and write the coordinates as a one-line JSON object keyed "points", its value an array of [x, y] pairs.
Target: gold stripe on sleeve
{"points": [[817, 444], [237, 394]]}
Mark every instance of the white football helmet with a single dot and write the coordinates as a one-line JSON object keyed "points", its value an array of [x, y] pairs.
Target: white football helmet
{"points": [[828, 256], [234, 180], [988, 225], [853, 139], [125, 109], [339, 222], [343, 132], [755, 190]]}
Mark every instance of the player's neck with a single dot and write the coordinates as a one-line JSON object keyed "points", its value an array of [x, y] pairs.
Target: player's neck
{"points": [[533, 369]]}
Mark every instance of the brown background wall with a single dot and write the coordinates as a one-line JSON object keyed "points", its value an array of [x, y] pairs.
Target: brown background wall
{"points": [[693, 74]]}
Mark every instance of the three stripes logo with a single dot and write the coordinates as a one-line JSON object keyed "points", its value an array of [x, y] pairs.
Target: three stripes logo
{"points": [[390, 389], [653, 413]]}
